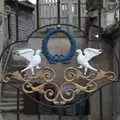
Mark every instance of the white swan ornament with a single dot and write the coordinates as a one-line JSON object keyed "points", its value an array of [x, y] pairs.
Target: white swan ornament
{"points": [[84, 57], [33, 57]]}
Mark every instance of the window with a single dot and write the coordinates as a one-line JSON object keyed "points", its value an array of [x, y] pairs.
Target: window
{"points": [[51, 1], [64, 9], [109, 3], [75, 8]]}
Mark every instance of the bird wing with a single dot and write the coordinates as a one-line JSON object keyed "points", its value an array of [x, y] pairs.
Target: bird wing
{"points": [[91, 52], [26, 53]]}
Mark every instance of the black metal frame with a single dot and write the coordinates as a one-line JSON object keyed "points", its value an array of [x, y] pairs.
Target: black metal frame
{"points": [[58, 23]]}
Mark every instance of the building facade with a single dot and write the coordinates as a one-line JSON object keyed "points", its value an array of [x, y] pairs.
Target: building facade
{"points": [[1, 29], [1, 24], [106, 26], [26, 19], [25, 23]]}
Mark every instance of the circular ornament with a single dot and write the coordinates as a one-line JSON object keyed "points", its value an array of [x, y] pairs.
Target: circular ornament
{"points": [[63, 58]]}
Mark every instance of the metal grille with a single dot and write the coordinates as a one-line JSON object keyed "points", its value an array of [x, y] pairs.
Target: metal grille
{"points": [[48, 12]]}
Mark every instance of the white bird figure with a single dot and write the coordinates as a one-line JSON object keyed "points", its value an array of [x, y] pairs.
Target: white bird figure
{"points": [[83, 58], [34, 60]]}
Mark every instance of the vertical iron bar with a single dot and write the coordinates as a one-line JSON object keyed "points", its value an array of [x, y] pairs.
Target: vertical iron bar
{"points": [[38, 111], [17, 38], [79, 13], [18, 104], [58, 11], [17, 22], [38, 106], [9, 28], [60, 114], [37, 25], [37, 13], [101, 106], [99, 18]]}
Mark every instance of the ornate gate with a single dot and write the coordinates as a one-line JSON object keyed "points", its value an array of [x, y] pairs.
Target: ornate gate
{"points": [[47, 64]]}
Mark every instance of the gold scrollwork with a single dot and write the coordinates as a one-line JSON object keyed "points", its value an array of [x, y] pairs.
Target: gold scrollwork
{"points": [[65, 91], [27, 87], [91, 86], [51, 92], [102, 74], [70, 74], [47, 74], [13, 76]]}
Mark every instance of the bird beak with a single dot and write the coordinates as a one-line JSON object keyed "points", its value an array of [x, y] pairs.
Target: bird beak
{"points": [[101, 50]]}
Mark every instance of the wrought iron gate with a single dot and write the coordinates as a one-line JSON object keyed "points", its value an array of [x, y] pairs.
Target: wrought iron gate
{"points": [[65, 17]]}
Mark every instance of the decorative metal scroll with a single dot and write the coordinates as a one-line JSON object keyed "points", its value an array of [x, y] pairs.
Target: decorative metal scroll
{"points": [[59, 92]]}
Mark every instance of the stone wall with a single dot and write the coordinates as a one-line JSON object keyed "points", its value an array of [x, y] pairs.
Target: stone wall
{"points": [[26, 22], [1, 27], [104, 62], [116, 87], [2, 24]]}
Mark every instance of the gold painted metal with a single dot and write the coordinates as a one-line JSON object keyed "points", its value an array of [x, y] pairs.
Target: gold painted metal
{"points": [[13, 76], [63, 92], [46, 73]]}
